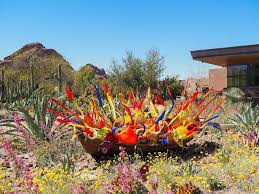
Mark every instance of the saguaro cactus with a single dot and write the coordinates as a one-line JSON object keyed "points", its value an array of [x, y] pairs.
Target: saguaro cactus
{"points": [[27, 91], [32, 78], [59, 79], [11, 90], [2, 86], [21, 88]]}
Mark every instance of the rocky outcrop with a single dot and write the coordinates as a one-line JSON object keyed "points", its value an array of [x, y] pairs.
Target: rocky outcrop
{"points": [[33, 54], [44, 61], [98, 72], [91, 71], [24, 49]]}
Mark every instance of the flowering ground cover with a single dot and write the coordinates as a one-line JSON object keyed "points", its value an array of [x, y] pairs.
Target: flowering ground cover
{"points": [[216, 160], [231, 165]]}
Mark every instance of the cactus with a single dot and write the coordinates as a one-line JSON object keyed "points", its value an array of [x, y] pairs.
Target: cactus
{"points": [[11, 91], [27, 86], [59, 78], [32, 78], [2, 85], [21, 88]]}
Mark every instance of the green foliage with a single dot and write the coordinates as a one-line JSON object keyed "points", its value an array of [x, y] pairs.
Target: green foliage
{"points": [[37, 120], [187, 169], [46, 75], [12, 91], [38, 132], [224, 155], [214, 183], [83, 77], [10, 131], [85, 72], [45, 153], [14, 87], [47, 87], [134, 72], [153, 68], [174, 85], [68, 161], [247, 119], [6, 123], [137, 73], [234, 94]]}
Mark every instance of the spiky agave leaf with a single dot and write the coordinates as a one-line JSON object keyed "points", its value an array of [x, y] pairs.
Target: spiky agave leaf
{"points": [[247, 119], [30, 124], [7, 123]]}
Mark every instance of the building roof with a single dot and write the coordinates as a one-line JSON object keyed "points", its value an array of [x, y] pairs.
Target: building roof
{"points": [[228, 55]]}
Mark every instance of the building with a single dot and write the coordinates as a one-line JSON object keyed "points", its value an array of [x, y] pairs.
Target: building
{"points": [[239, 68]]}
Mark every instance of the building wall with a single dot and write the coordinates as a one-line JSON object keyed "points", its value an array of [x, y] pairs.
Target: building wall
{"points": [[218, 78]]}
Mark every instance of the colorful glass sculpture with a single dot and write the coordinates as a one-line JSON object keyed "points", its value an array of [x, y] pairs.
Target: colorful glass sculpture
{"points": [[140, 119]]}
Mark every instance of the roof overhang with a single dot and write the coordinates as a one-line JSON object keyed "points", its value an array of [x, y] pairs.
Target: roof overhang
{"points": [[229, 55]]}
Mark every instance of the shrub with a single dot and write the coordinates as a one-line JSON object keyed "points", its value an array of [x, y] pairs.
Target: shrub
{"points": [[247, 119], [173, 84], [234, 94], [137, 73]]}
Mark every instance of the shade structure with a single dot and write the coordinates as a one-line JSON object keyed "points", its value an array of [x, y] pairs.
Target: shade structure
{"points": [[248, 54]]}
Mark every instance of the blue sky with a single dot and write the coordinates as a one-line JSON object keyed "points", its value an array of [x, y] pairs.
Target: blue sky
{"points": [[97, 31]]}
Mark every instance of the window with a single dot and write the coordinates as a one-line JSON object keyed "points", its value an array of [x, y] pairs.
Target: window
{"points": [[237, 75], [254, 75]]}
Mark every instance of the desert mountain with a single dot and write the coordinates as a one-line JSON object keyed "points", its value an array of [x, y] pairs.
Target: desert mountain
{"points": [[43, 60], [45, 66], [91, 71], [33, 54]]}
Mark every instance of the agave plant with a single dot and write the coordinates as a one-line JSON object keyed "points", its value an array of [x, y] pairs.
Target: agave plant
{"points": [[8, 130], [37, 119], [247, 122], [12, 106], [6, 123], [7, 127], [234, 94], [247, 119]]}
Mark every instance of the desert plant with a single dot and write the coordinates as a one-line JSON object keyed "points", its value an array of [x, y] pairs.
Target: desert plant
{"points": [[251, 138], [137, 73], [69, 158], [214, 183], [15, 162], [223, 155], [247, 120], [6, 123], [173, 84], [33, 128], [26, 101], [234, 94], [187, 168], [37, 120]]}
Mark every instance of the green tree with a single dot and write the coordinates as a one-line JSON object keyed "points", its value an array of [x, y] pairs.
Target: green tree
{"points": [[153, 68], [82, 78], [116, 77], [174, 85], [134, 72], [137, 73]]}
